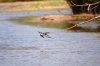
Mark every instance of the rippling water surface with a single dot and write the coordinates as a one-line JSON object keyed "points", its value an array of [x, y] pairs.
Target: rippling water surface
{"points": [[21, 45]]}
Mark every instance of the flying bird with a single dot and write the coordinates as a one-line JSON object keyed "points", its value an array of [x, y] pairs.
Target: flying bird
{"points": [[44, 34]]}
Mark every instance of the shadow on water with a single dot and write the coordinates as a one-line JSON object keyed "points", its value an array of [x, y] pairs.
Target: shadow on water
{"points": [[92, 26]]}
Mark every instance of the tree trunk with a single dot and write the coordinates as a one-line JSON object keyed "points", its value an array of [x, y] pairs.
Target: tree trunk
{"points": [[78, 9]]}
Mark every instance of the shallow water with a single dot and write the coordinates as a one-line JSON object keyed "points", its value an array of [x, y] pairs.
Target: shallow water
{"points": [[6, 15], [21, 45], [4, 7]]}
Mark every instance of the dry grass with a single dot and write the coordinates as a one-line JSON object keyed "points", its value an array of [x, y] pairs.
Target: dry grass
{"points": [[34, 5]]}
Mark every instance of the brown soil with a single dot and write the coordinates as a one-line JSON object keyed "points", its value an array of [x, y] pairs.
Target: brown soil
{"points": [[97, 36], [56, 18], [63, 18]]}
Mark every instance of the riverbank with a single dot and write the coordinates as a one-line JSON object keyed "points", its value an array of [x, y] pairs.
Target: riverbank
{"points": [[60, 21], [33, 5], [58, 18]]}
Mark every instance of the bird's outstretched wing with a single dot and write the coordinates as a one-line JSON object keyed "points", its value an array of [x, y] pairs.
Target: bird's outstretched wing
{"points": [[44, 34], [39, 32]]}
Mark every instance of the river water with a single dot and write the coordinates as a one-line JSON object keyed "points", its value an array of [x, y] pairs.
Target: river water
{"points": [[21, 45]]}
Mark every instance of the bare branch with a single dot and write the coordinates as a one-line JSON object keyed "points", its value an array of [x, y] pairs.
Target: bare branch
{"points": [[89, 8], [86, 4], [95, 3], [73, 3], [94, 8], [83, 22]]}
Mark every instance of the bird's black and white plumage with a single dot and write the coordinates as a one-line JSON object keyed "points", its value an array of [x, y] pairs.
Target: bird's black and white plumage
{"points": [[44, 34]]}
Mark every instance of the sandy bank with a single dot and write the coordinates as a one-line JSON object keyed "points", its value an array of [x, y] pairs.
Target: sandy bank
{"points": [[63, 18]]}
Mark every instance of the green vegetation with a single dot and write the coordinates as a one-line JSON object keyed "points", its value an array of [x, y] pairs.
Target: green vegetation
{"points": [[16, 0], [48, 4], [34, 5], [34, 21], [98, 19], [25, 0], [31, 20]]}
